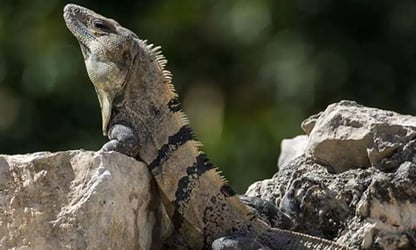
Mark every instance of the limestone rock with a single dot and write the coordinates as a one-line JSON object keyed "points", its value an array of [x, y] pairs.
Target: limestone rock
{"points": [[368, 202], [361, 208], [347, 135], [78, 200]]}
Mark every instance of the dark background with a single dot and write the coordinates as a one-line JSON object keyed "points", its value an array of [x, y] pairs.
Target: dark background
{"points": [[248, 71]]}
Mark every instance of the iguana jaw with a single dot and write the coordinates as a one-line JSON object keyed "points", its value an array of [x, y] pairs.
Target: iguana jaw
{"points": [[76, 19], [105, 61]]}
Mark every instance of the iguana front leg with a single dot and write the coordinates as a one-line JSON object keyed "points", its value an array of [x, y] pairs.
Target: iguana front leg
{"points": [[268, 212], [123, 139], [265, 211]]}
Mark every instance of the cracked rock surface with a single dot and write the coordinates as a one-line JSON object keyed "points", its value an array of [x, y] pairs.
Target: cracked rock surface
{"points": [[77, 200], [355, 180]]}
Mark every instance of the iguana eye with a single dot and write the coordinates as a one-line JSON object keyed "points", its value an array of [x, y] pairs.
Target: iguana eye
{"points": [[100, 25]]}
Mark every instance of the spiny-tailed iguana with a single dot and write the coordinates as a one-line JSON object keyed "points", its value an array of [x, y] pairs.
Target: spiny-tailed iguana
{"points": [[142, 117]]}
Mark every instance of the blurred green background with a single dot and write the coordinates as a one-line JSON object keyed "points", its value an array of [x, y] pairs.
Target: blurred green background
{"points": [[248, 71]]}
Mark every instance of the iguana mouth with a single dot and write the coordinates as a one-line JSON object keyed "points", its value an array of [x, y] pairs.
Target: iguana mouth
{"points": [[76, 20]]}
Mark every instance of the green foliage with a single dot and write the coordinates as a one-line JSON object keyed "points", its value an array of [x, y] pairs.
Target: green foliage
{"points": [[248, 71]]}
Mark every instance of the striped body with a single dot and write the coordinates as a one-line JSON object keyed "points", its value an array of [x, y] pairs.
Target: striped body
{"points": [[200, 203]]}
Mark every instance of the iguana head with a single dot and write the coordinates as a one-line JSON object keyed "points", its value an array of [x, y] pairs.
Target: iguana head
{"points": [[107, 50]]}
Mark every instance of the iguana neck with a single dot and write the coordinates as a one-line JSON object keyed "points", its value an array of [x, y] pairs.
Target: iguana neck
{"points": [[149, 104]]}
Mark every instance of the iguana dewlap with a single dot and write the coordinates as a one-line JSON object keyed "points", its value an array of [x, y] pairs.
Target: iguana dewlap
{"points": [[142, 117]]}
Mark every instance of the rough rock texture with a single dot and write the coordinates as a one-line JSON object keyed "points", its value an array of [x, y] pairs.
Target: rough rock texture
{"points": [[347, 135], [354, 182], [77, 200], [350, 179]]}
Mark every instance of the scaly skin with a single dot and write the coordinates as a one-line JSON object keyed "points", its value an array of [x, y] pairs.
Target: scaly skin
{"points": [[142, 117]]}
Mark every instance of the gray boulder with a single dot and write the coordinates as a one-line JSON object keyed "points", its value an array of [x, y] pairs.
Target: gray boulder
{"points": [[78, 200], [348, 135], [354, 182]]}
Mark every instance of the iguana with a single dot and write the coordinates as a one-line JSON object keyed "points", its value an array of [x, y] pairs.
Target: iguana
{"points": [[142, 116]]}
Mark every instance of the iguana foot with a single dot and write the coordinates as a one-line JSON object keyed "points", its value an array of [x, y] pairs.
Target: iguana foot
{"points": [[237, 243], [268, 212], [123, 140]]}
